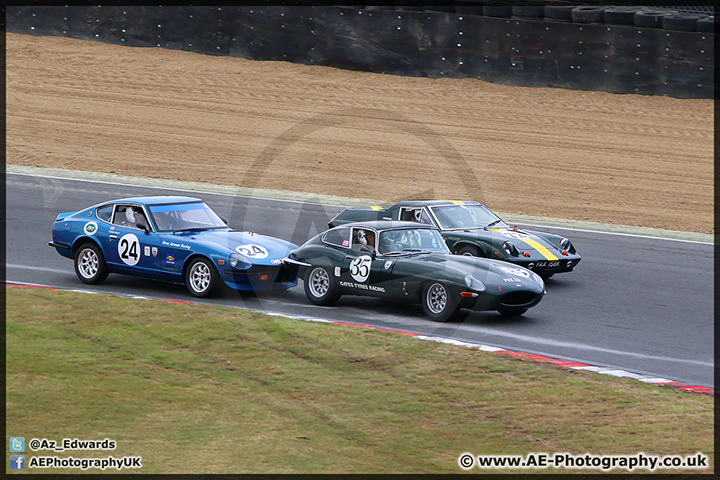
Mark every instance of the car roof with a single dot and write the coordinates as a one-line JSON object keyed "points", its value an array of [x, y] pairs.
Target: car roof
{"points": [[156, 200], [433, 203], [387, 225]]}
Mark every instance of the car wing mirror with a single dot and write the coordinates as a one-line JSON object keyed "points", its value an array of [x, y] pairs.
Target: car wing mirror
{"points": [[143, 227], [366, 249], [224, 220]]}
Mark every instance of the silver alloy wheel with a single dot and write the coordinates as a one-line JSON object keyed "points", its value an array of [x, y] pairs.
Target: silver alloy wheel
{"points": [[436, 298], [199, 277], [319, 282], [468, 254], [88, 263]]}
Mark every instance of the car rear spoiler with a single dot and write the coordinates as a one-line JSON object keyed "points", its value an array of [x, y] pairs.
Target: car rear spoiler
{"points": [[63, 216]]}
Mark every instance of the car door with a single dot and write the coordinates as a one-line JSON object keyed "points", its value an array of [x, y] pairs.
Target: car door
{"points": [[363, 271], [129, 249]]}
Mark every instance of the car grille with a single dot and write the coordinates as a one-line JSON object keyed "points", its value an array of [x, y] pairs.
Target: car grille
{"points": [[518, 299]]}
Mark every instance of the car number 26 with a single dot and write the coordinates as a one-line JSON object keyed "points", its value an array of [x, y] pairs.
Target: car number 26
{"points": [[129, 249], [360, 268]]}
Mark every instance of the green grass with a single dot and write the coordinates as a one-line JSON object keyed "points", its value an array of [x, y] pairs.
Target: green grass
{"points": [[202, 389]]}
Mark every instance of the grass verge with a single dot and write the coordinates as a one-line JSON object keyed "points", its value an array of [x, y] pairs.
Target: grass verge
{"points": [[203, 389]]}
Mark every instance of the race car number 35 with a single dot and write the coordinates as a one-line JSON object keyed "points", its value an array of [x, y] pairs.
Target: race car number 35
{"points": [[360, 268]]}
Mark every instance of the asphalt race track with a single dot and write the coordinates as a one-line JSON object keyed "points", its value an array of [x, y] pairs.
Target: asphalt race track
{"points": [[639, 304]]}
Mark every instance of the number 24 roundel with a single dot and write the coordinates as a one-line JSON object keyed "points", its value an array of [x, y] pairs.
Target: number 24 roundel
{"points": [[129, 249]]}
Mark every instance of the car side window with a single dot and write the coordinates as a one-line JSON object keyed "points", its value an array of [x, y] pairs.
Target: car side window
{"points": [[419, 215], [129, 216], [339, 237], [363, 237], [104, 213]]}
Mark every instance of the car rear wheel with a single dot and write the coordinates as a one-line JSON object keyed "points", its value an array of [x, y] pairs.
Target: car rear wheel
{"points": [[320, 287], [469, 251], [437, 302], [90, 266], [201, 278], [511, 311]]}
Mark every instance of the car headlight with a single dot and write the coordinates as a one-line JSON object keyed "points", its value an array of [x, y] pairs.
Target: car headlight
{"points": [[510, 249], [474, 284], [239, 262], [566, 245]]}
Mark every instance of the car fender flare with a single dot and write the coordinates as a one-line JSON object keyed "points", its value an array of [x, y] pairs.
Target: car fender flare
{"points": [[79, 241], [192, 257], [483, 247]]}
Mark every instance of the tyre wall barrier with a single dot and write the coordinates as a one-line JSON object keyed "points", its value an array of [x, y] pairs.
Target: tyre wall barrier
{"points": [[521, 49]]}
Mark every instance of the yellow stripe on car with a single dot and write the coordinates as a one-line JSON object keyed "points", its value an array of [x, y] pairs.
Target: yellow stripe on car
{"points": [[543, 251], [377, 208]]}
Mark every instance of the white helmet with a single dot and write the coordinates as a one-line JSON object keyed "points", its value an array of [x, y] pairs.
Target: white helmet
{"points": [[130, 215], [361, 237]]}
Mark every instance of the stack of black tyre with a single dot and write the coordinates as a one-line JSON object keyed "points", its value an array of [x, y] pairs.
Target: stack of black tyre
{"points": [[645, 17]]}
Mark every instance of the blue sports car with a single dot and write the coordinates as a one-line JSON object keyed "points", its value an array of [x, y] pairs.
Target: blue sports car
{"points": [[173, 239]]}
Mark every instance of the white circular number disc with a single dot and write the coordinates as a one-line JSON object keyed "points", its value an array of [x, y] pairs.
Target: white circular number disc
{"points": [[360, 268], [252, 251], [129, 249], [511, 234]]}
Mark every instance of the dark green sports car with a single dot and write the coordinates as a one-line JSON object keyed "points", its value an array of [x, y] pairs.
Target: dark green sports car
{"points": [[470, 228], [410, 262]]}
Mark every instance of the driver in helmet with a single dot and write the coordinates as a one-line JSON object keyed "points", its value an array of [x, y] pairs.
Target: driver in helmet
{"points": [[134, 216]]}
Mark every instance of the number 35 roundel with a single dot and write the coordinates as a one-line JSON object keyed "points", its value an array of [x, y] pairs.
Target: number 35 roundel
{"points": [[129, 249], [360, 268]]}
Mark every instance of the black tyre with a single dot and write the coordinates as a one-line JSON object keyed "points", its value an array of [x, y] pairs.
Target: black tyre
{"points": [[650, 18], [90, 266], [511, 311], [681, 22], [528, 11], [469, 251], [621, 15], [545, 275], [320, 287], [437, 302], [201, 278], [587, 14], [558, 12]]}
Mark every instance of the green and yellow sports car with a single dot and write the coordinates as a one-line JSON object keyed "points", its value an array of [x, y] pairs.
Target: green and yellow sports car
{"points": [[410, 262], [470, 228]]}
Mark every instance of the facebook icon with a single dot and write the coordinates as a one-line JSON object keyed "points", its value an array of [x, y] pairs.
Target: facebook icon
{"points": [[17, 462]]}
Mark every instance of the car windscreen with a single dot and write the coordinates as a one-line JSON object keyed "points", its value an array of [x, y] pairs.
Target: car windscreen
{"points": [[411, 239], [184, 216], [466, 216]]}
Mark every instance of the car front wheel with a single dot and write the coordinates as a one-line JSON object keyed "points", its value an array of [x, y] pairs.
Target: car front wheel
{"points": [[437, 303], [320, 287], [90, 266], [201, 278]]}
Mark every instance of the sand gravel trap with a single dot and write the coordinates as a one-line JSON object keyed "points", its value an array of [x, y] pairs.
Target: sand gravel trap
{"points": [[622, 159]]}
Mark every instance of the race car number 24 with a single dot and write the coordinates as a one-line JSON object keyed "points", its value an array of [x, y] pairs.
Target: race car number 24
{"points": [[129, 249]]}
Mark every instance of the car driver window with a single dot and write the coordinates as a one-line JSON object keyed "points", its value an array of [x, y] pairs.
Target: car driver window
{"points": [[424, 217], [129, 216], [363, 237]]}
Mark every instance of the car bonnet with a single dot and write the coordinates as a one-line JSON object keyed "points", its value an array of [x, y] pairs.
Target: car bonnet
{"points": [[259, 249]]}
